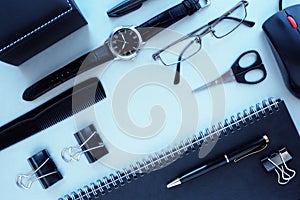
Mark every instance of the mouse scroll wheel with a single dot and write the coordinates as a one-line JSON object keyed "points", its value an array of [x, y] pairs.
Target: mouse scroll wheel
{"points": [[292, 22]]}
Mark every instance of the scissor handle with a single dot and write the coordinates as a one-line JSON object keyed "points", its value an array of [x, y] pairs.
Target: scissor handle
{"points": [[240, 72]]}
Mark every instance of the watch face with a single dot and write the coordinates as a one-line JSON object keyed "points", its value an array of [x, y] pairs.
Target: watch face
{"points": [[125, 42]]}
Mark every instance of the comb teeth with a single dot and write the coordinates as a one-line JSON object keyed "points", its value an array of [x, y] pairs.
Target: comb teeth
{"points": [[55, 110]]}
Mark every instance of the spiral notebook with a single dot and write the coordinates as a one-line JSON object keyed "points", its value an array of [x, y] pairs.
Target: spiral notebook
{"points": [[245, 180]]}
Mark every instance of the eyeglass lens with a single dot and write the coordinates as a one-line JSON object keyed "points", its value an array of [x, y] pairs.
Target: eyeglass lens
{"points": [[227, 25], [191, 45], [186, 49]]}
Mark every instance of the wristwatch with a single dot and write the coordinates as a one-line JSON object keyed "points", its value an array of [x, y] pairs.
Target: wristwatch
{"points": [[123, 43]]}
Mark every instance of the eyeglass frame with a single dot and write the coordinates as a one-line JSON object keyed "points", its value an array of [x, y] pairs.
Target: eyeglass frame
{"points": [[209, 29]]}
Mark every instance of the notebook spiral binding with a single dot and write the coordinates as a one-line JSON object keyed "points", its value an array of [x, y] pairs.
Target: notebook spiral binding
{"points": [[119, 178]]}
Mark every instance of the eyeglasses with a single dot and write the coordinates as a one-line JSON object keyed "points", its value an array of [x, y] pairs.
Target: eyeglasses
{"points": [[190, 44]]}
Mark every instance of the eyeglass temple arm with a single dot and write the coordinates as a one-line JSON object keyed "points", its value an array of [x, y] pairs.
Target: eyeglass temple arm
{"points": [[245, 22], [177, 75]]}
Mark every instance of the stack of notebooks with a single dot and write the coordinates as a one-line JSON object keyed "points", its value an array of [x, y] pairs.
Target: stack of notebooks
{"points": [[246, 179]]}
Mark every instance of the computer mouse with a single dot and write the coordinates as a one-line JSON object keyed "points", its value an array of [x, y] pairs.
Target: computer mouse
{"points": [[283, 33]]}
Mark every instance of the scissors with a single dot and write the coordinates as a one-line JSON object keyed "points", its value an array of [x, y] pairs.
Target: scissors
{"points": [[238, 73]]}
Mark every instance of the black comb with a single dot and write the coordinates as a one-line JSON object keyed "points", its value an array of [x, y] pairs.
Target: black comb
{"points": [[55, 110]]}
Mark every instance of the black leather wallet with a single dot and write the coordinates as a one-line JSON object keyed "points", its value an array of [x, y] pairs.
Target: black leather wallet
{"points": [[30, 26]]}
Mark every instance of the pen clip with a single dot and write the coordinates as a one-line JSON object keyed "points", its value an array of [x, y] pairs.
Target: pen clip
{"points": [[260, 149]]}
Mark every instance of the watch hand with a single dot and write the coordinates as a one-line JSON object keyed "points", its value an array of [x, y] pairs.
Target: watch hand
{"points": [[124, 45], [123, 37], [122, 41]]}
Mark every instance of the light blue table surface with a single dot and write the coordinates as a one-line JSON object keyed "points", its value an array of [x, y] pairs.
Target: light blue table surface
{"points": [[139, 92]]}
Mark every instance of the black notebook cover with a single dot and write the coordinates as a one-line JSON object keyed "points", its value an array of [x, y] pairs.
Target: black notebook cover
{"points": [[245, 180]]}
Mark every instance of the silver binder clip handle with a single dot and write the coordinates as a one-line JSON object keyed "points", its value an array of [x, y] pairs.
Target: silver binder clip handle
{"points": [[74, 153], [25, 181], [71, 154], [284, 173]]}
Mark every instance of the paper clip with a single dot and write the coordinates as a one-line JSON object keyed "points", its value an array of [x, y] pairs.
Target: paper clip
{"points": [[90, 144], [44, 172], [277, 162]]}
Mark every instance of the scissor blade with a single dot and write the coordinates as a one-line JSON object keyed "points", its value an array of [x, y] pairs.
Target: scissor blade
{"points": [[210, 84], [203, 87], [225, 78]]}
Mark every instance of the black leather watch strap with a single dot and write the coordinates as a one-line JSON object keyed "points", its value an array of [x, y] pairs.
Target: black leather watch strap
{"points": [[103, 54], [167, 18], [81, 64]]}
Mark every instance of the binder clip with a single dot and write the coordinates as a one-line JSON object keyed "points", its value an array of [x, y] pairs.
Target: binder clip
{"points": [[44, 170], [90, 144], [277, 161]]}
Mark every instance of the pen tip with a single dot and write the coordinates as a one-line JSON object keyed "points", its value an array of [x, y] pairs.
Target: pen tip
{"points": [[174, 183]]}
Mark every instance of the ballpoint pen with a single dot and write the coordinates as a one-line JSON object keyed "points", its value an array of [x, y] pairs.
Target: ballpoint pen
{"points": [[235, 156], [125, 7]]}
